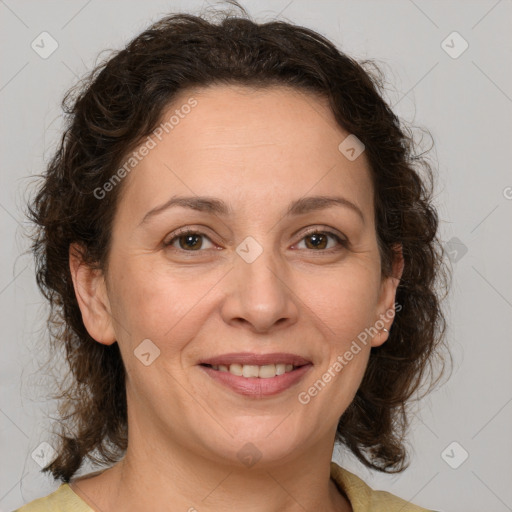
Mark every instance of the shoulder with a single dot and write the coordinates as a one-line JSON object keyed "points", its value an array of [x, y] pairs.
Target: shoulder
{"points": [[61, 500], [364, 498]]}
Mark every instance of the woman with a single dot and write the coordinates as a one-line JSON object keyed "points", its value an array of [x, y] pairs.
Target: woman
{"points": [[241, 259]]}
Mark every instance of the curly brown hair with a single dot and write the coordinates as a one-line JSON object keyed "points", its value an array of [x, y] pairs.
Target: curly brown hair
{"points": [[120, 103]]}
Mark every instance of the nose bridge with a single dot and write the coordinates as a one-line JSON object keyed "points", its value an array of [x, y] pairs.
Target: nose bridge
{"points": [[260, 295], [259, 269]]}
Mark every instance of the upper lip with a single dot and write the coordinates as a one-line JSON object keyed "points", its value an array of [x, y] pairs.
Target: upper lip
{"points": [[256, 359]]}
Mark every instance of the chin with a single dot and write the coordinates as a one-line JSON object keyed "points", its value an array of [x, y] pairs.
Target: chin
{"points": [[264, 445]]}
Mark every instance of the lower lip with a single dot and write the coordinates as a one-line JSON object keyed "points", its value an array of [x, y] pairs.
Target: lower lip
{"points": [[254, 386]]}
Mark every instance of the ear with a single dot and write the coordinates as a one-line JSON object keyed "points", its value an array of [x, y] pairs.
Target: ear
{"points": [[91, 294], [386, 303]]}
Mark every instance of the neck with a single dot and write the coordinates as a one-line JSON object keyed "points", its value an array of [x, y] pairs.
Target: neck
{"points": [[162, 470], [148, 478]]}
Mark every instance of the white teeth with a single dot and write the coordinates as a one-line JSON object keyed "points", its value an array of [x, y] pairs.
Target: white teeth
{"points": [[266, 371], [236, 369], [280, 369], [249, 370]]}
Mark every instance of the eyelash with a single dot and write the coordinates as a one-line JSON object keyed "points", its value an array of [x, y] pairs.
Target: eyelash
{"points": [[188, 231]]}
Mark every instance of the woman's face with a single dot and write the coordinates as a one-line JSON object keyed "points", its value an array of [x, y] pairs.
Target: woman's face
{"points": [[253, 284]]}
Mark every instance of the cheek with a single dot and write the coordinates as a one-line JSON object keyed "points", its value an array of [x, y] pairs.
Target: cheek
{"points": [[347, 312], [345, 303], [158, 304]]}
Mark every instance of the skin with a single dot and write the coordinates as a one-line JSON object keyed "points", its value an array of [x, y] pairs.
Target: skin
{"points": [[257, 150]]}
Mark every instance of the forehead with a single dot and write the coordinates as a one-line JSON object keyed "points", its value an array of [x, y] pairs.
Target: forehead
{"points": [[247, 143], [237, 118]]}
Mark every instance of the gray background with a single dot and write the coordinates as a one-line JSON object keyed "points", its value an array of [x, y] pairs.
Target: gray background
{"points": [[466, 102]]}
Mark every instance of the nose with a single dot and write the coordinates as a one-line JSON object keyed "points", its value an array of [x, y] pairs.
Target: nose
{"points": [[260, 294]]}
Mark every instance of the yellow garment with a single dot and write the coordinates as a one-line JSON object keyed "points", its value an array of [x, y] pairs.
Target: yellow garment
{"points": [[364, 499], [361, 497]]}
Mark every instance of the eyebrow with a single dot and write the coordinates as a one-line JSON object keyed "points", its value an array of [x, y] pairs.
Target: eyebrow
{"points": [[216, 206]]}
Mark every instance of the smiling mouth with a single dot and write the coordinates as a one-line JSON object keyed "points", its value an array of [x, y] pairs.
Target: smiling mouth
{"points": [[266, 371]]}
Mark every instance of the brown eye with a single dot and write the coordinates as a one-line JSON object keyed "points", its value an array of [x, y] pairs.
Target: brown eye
{"points": [[319, 240], [189, 241]]}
